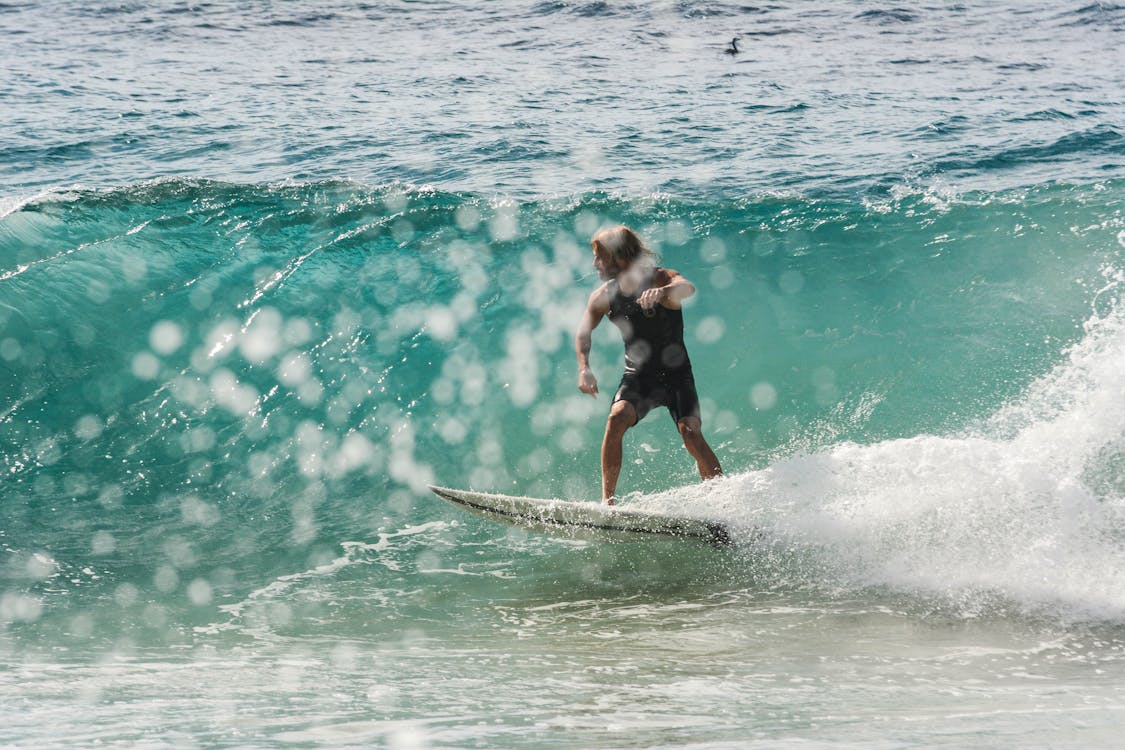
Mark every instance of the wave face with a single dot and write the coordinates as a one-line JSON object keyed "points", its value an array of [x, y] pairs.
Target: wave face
{"points": [[213, 385]]}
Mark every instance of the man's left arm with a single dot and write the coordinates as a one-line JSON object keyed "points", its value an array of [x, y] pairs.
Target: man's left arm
{"points": [[671, 290]]}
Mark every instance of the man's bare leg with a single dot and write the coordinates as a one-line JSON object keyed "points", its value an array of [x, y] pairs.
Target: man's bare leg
{"points": [[691, 431], [622, 416]]}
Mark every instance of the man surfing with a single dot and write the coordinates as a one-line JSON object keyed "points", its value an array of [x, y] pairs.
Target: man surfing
{"points": [[644, 302]]}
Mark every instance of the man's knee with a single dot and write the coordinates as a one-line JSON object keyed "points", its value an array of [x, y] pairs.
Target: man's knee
{"points": [[621, 417], [689, 428]]}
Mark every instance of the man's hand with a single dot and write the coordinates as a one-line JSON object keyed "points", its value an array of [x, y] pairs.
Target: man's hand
{"points": [[587, 383], [650, 298]]}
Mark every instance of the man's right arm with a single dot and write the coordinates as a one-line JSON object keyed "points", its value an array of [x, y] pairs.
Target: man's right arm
{"points": [[595, 310]]}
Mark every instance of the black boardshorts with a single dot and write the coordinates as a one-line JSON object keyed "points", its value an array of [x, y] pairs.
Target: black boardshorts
{"points": [[674, 389]]}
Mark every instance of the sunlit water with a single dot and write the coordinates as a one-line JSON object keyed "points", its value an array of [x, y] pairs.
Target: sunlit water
{"points": [[267, 271]]}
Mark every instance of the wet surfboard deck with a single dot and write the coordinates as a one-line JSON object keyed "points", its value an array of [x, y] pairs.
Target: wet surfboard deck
{"points": [[583, 520]]}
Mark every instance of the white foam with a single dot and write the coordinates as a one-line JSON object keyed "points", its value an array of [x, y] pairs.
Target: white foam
{"points": [[1027, 508]]}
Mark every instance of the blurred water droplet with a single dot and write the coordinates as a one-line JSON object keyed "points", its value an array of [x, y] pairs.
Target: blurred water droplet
{"points": [[126, 595], [145, 366], [763, 396], [713, 250], [10, 350], [16, 607], [40, 566], [710, 329], [504, 226], [262, 339], [165, 337], [467, 218], [791, 282], [102, 543], [199, 592], [441, 323], [722, 277], [166, 579]]}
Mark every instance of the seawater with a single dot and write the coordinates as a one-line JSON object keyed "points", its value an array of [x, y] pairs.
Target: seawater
{"points": [[268, 271]]}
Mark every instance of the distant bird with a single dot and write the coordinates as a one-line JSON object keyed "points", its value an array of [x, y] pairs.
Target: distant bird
{"points": [[733, 48]]}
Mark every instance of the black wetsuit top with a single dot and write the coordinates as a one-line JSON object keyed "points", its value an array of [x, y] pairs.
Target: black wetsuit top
{"points": [[657, 368]]}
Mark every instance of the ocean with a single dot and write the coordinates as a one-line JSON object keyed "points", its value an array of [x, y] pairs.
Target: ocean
{"points": [[269, 269]]}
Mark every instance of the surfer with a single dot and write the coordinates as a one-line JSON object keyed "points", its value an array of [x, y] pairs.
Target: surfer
{"points": [[644, 302]]}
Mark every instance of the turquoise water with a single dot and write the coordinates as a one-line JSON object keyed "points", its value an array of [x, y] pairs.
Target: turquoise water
{"points": [[268, 271]]}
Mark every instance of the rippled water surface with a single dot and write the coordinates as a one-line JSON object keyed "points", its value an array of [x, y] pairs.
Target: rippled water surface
{"points": [[527, 98]]}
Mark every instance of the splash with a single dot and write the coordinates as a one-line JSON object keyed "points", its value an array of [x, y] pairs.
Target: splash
{"points": [[1024, 510]]}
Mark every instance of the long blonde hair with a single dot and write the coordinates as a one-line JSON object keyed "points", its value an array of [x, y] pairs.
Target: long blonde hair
{"points": [[625, 246]]}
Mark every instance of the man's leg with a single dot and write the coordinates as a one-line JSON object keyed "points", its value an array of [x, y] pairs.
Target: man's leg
{"points": [[705, 459], [622, 416]]}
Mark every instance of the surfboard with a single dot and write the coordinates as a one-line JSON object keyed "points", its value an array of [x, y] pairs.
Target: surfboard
{"points": [[582, 520]]}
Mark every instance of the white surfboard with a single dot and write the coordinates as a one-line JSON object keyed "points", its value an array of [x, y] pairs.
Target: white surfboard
{"points": [[577, 520]]}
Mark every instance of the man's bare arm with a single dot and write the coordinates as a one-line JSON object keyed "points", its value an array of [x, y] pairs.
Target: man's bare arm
{"points": [[671, 290], [595, 310]]}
